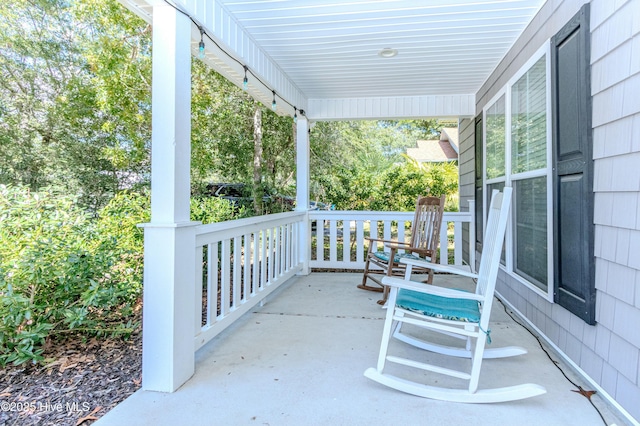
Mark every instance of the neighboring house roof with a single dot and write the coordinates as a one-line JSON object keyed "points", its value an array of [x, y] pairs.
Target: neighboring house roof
{"points": [[450, 134], [437, 151]]}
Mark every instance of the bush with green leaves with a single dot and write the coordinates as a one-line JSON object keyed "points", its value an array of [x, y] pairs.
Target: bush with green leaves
{"points": [[65, 271], [403, 183], [56, 274], [214, 209], [395, 188]]}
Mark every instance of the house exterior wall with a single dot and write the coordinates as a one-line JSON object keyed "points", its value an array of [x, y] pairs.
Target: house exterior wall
{"points": [[466, 173], [609, 352]]}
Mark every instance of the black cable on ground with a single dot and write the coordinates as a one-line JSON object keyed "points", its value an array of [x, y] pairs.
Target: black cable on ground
{"points": [[581, 390]]}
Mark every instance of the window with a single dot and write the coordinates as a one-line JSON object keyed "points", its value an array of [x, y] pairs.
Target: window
{"points": [[538, 140], [517, 154], [529, 170]]}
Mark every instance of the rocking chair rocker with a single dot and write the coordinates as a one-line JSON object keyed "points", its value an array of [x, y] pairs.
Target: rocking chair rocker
{"points": [[425, 235], [453, 312]]}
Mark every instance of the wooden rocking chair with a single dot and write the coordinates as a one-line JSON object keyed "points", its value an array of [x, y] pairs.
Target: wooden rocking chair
{"points": [[425, 235], [456, 313]]}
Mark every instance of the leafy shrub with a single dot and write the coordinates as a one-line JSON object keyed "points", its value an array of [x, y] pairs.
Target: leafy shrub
{"points": [[119, 234], [402, 184], [56, 274], [63, 271], [395, 188], [214, 209]]}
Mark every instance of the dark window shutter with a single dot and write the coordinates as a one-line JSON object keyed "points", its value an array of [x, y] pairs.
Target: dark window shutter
{"points": [[478, 183], [574, 270]]}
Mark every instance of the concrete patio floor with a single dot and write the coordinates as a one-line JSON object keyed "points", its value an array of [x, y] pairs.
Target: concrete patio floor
{"points": [[300, 358]]}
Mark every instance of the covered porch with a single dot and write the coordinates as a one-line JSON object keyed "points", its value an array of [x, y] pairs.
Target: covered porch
{"points": [[299, 359], [236, 326]]}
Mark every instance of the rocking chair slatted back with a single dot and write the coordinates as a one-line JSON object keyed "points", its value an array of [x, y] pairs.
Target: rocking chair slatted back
{"points": [[425, 237], [425, 232], [490, 259]]}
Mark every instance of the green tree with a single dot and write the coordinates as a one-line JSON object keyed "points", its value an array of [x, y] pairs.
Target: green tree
{"points": [[362, 165], [73, 104]]}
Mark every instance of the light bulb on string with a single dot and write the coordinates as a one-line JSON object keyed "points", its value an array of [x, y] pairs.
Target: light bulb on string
{"points": [[273, 103], [245, 82], [201, 45], [295, 115]]}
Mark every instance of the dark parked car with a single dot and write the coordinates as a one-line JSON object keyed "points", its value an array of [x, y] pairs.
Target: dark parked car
{"points": [[238, 194]]}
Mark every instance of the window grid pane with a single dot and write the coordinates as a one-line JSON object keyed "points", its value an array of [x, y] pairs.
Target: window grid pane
{"points": [[530, 260], [495, 139], [529, 120]]}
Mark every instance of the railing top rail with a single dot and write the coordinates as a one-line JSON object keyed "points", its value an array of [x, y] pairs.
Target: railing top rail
{"points": [[368, 214], [221, 230]]}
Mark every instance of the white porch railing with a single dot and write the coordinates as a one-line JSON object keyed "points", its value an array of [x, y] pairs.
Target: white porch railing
{"points": [[343, 236], [240, 262]]}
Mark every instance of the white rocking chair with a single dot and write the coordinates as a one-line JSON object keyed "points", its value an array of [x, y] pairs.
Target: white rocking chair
{"points": [[456, 313]]}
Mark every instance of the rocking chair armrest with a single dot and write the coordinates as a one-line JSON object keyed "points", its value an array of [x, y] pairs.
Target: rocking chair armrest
{"points": [[381, 240], [397, 245], [436, 267], [431, 289]]}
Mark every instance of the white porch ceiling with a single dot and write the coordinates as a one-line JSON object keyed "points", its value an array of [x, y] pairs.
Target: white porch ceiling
{"points": [[330, 48], [323, 54]]}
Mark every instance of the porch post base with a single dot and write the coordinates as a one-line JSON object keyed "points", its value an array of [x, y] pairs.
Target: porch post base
{"points": [[168, 354]]}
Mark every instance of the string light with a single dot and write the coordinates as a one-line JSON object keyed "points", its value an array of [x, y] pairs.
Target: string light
{"points": [[245, 82], [295, 114], [201, 45]]}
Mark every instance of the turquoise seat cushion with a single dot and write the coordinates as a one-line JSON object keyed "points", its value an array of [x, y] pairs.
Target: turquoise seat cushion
{"points": [[384, 256], [438, 306]]}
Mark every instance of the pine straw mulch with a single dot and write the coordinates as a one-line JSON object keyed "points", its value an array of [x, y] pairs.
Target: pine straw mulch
{"points": [[83, 381]]}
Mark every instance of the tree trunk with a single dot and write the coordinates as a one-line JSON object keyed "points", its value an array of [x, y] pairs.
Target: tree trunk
{"points": [[257, 161]]}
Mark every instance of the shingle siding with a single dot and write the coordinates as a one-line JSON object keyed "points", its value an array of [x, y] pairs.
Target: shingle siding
{"points": [[466, 173], [608, 352]]}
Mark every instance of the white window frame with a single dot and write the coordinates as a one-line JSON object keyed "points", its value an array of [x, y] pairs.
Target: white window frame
{"points": [[509, 179]]}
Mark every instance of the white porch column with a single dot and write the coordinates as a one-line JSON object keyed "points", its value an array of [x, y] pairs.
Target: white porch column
{"points": [[302, 190], [169, 246]]}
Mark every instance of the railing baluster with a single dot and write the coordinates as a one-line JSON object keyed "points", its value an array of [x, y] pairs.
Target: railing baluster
{"points": [[290, 246], [255, 276], [263, 258], [359, 241], [373, 232], [246, 266], [333, 243], [387, 230], [444, 241], [346, 240], [198, 295], [212, 281], [401, 236], [283, 248], [225, 278], [237, 270], [271, 256], [277, 249], [457, 248]]}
